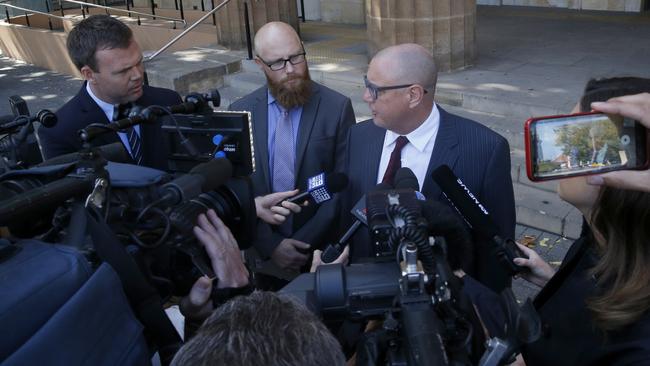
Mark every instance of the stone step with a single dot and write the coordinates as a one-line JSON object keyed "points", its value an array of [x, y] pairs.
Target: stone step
{"points": [[196, 69], [546, 211]]}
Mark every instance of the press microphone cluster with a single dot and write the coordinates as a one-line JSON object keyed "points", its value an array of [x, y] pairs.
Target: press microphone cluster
{"points": [[404, 179]]}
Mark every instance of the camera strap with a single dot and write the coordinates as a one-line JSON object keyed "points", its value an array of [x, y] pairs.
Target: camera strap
{"points": [[144, 299]]}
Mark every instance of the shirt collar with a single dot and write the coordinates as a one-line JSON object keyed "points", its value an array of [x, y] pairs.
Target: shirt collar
{"points": [[108, 108], [421, 135]]}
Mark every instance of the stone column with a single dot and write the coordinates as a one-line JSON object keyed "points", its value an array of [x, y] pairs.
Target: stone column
{"points": [[445, 27]]}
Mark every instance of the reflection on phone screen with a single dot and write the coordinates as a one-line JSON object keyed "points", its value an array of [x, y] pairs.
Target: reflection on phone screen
{"points": [[589, 143]]}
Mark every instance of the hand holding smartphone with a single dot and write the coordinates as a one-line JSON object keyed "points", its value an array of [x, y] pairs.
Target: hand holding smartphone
{"points": [[581, 144]]}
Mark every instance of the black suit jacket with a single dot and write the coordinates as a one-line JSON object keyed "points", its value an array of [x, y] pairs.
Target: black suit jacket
{"points": [[81, 110], [476, 154], [320, 147], [569, 335]]}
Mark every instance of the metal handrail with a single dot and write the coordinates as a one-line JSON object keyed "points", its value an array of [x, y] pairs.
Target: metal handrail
{"points": [[83, 3], [187, 30], [32, 11]]}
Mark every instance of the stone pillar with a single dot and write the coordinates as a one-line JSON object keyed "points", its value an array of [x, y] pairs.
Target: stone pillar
{"points": [[445, 27]]}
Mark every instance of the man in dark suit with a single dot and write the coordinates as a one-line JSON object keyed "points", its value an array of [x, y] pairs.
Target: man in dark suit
{"points": [[408, 129], [300, 129], [110, 61]]}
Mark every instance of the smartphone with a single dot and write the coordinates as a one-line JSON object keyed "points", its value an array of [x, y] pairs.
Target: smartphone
{"points": [[582, 144]]}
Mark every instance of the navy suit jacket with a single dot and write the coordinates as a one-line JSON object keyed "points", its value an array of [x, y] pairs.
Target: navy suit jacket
{"points": [[320, 147], [476, 154], [569, 335], [81, 110]]}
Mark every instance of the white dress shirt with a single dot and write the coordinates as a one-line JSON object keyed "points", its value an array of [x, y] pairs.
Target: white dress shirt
{"points": [[417, 153], [108, 110]]}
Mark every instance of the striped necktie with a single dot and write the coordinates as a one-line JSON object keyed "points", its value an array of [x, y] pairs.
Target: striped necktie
{"points": [[135, 143]]}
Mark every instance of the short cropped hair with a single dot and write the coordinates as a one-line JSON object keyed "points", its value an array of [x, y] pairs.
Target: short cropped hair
{"points": [[264, 328], [97, 32]]}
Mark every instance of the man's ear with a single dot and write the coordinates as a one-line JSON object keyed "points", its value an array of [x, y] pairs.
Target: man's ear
{"points": [[416, 93], [259, 63], [87, 73]]}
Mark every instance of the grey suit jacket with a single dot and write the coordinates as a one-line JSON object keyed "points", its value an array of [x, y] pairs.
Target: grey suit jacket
{"points": [[320, 147], [476, 154]]}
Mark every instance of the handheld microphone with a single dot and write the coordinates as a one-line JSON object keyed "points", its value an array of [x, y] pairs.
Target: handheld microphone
{"points": [[476, 215], [202, 178], [321, 187], [333, 251], [44, 116]]}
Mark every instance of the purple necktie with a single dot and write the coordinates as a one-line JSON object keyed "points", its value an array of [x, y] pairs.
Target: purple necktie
{"points": [[284, 161]]}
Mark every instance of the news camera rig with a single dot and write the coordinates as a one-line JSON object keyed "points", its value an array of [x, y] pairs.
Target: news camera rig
{"points": [[409, 286], [150, 212]]}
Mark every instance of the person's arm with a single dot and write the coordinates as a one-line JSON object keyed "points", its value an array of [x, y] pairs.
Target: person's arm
{"points": [[636, 107]]}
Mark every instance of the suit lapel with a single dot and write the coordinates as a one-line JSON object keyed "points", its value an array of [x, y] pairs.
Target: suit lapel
{"points": [[445, 152], [93, 114], [261, 134], [372, 153], [307, 119]]}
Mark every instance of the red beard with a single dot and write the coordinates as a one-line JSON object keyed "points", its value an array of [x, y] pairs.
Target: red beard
{"points": [[294, 96]]}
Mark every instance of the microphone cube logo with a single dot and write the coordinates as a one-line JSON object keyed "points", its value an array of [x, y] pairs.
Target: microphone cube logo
{"points": [[317, 189], [320, 195]]}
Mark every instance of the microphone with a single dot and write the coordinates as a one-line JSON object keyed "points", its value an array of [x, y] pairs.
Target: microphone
{"points": [[321, 187], [44, 116], [197, 102], [112, 152], [476, 215], [406, 179], [333, 251], [202, 178], [30, 204]]}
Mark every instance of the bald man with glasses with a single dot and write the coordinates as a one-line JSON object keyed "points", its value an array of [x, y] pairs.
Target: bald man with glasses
{"points": [[408, 129], [300, 130]]}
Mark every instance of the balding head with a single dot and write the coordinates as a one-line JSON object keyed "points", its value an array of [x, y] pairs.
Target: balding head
{"points": [[408, 63], [401, 84], [281, 56], [273, 35]]}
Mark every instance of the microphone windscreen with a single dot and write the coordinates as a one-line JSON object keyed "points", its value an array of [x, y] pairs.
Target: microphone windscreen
{"points": [[406, 179], [443, 221], [47, 118], [215, 172], [336, 182], [465, 202]]}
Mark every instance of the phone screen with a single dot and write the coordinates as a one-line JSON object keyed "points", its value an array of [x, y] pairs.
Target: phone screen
{"points": [[563, 146]]}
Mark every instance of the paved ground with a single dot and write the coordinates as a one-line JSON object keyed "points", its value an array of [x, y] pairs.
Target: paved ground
{"points": [[42, 89]]}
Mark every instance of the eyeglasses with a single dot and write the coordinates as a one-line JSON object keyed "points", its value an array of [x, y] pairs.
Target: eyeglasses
{"points": [[282, 63], [374, 89]]}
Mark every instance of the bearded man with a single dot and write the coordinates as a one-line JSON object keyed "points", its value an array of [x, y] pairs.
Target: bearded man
{"points": [[300, 130]]}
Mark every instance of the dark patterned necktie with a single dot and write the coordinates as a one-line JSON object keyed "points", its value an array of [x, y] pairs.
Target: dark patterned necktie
{"points": [[135, 143], [395, 161]]}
